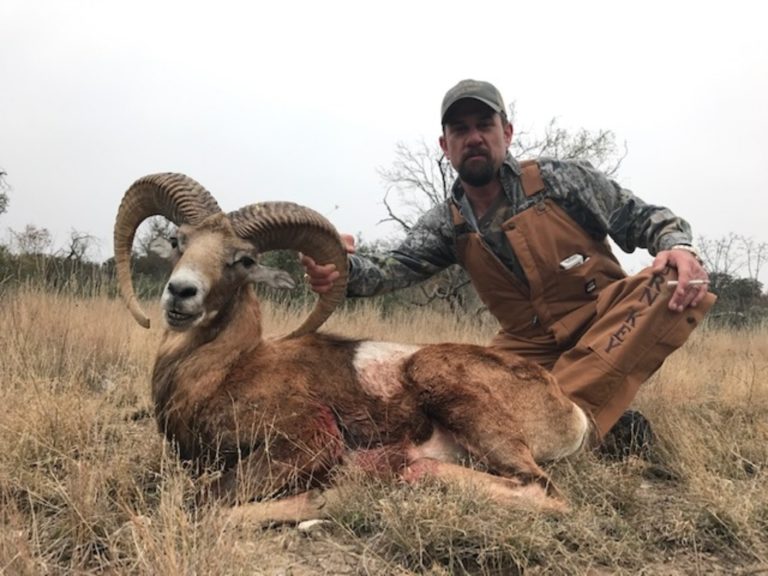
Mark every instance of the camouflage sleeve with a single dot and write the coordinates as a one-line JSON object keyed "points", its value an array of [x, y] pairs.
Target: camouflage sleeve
{"points": [[602, 205], [427, 249]]}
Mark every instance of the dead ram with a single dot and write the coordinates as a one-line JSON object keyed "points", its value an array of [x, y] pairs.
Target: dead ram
{"points": [[279, 417]]}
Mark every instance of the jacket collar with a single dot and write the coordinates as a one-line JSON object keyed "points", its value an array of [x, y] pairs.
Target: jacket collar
{"points": [[509, 169]]}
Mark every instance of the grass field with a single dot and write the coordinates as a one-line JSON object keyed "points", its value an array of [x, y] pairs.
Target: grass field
{"points": [[88, 486]]}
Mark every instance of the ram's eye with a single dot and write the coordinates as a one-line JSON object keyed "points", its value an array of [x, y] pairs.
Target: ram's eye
{"points": [[247, 261], [174, 242]]}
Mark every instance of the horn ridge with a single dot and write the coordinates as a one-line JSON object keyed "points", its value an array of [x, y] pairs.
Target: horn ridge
{"points": [[175, 196], [285, 225]]}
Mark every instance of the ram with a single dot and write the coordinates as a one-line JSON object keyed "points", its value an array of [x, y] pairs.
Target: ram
{"points": [[279, 417]]}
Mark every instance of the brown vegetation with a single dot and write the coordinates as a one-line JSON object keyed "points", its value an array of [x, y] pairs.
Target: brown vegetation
{"points": [[87, 485]]}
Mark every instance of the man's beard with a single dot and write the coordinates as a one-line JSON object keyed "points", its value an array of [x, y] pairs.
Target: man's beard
{"points": [[477, 173]]}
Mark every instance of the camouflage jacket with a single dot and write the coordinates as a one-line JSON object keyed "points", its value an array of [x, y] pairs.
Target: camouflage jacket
{"points": [[598, 204]]}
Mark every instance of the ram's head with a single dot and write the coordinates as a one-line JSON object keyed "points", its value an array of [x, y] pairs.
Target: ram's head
{"points": [[216, 253]]}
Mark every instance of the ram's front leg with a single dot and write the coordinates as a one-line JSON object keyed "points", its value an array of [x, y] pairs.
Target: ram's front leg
{"points": [[269, 489], [284, 459], [310, 505]]}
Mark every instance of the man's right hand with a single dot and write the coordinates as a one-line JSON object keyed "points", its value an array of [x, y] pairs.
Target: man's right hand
{"points": [[321, 277]]}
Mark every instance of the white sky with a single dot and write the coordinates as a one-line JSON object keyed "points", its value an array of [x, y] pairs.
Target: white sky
{"points": [[302, 101]]}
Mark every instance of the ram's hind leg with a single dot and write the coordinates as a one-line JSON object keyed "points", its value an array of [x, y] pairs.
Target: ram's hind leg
{"points": [[522, 483], [506, 411], [509, 492]]}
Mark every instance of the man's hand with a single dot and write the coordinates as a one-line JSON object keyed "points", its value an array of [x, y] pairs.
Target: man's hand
{"points": [[321, 277], [688, 268]]}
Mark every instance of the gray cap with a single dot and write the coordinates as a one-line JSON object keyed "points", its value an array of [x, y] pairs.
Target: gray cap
{"points": [[485, 92]]}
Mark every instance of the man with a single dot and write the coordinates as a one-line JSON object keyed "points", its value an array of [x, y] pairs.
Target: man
{"points": [[532, 237]]}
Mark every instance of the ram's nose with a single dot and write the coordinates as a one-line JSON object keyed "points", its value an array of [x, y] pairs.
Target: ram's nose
{"points": [[181, 290]]}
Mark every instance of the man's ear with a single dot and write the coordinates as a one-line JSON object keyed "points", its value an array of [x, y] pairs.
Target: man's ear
{"points": [[508, 132], [443, 146]]}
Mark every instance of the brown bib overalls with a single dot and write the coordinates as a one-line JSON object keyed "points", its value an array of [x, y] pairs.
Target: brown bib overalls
{"points": [[601, 333]]}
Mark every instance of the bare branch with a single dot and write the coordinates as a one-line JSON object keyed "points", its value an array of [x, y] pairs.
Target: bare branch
{"points": [[78, 246], [755, 255], [31, 240], [153, 228], [599, 148], [4, 189], [392, 216], [420, 177], [724, 255]]}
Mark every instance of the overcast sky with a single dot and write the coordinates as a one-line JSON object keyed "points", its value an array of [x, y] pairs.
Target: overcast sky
{"points": [[302, 101]]}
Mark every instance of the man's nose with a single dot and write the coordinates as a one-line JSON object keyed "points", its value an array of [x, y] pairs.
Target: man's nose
{"points": [[474, 136]]}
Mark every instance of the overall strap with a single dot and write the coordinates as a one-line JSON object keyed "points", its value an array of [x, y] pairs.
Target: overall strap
{"points": [[530, 177], [460, 225]]}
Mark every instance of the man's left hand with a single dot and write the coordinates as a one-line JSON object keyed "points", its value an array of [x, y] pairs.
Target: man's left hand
{"points": [[688, 268]]}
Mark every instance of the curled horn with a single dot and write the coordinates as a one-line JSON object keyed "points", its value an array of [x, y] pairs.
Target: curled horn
{"points": [[288, 226], [177, 197]]}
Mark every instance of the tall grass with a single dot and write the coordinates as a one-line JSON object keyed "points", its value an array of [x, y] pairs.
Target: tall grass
{"points": [[88, 486]]}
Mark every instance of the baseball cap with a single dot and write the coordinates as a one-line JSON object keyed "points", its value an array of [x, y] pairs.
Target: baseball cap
{"points": [[485, 92]]}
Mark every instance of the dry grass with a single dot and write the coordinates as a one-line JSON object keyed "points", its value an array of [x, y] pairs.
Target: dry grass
{"points": [[88, 486]]}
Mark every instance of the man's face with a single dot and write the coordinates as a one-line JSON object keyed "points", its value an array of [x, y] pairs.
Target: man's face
{"points": [[475, 141]]}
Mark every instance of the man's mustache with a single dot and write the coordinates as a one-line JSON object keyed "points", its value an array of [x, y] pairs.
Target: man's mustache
{"points": [[476, 152]]}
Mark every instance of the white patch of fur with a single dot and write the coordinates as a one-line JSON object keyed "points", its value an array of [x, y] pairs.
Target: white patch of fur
{"points": [[581, 432], [186, 276], [379, 366]]}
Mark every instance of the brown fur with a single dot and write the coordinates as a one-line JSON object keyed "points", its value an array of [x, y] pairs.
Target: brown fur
{"points": [[284, 415]]}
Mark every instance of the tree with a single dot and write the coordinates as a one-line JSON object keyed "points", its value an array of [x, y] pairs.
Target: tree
{"points": [[152, 229], [733, 255], [734, 263], [4, 188], [78, 246], [420, 177], [597, 147], [31, 240]]}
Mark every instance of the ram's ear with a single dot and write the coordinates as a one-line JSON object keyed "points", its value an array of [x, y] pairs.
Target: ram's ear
{"points": [[162, 247], [272, 277]]}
